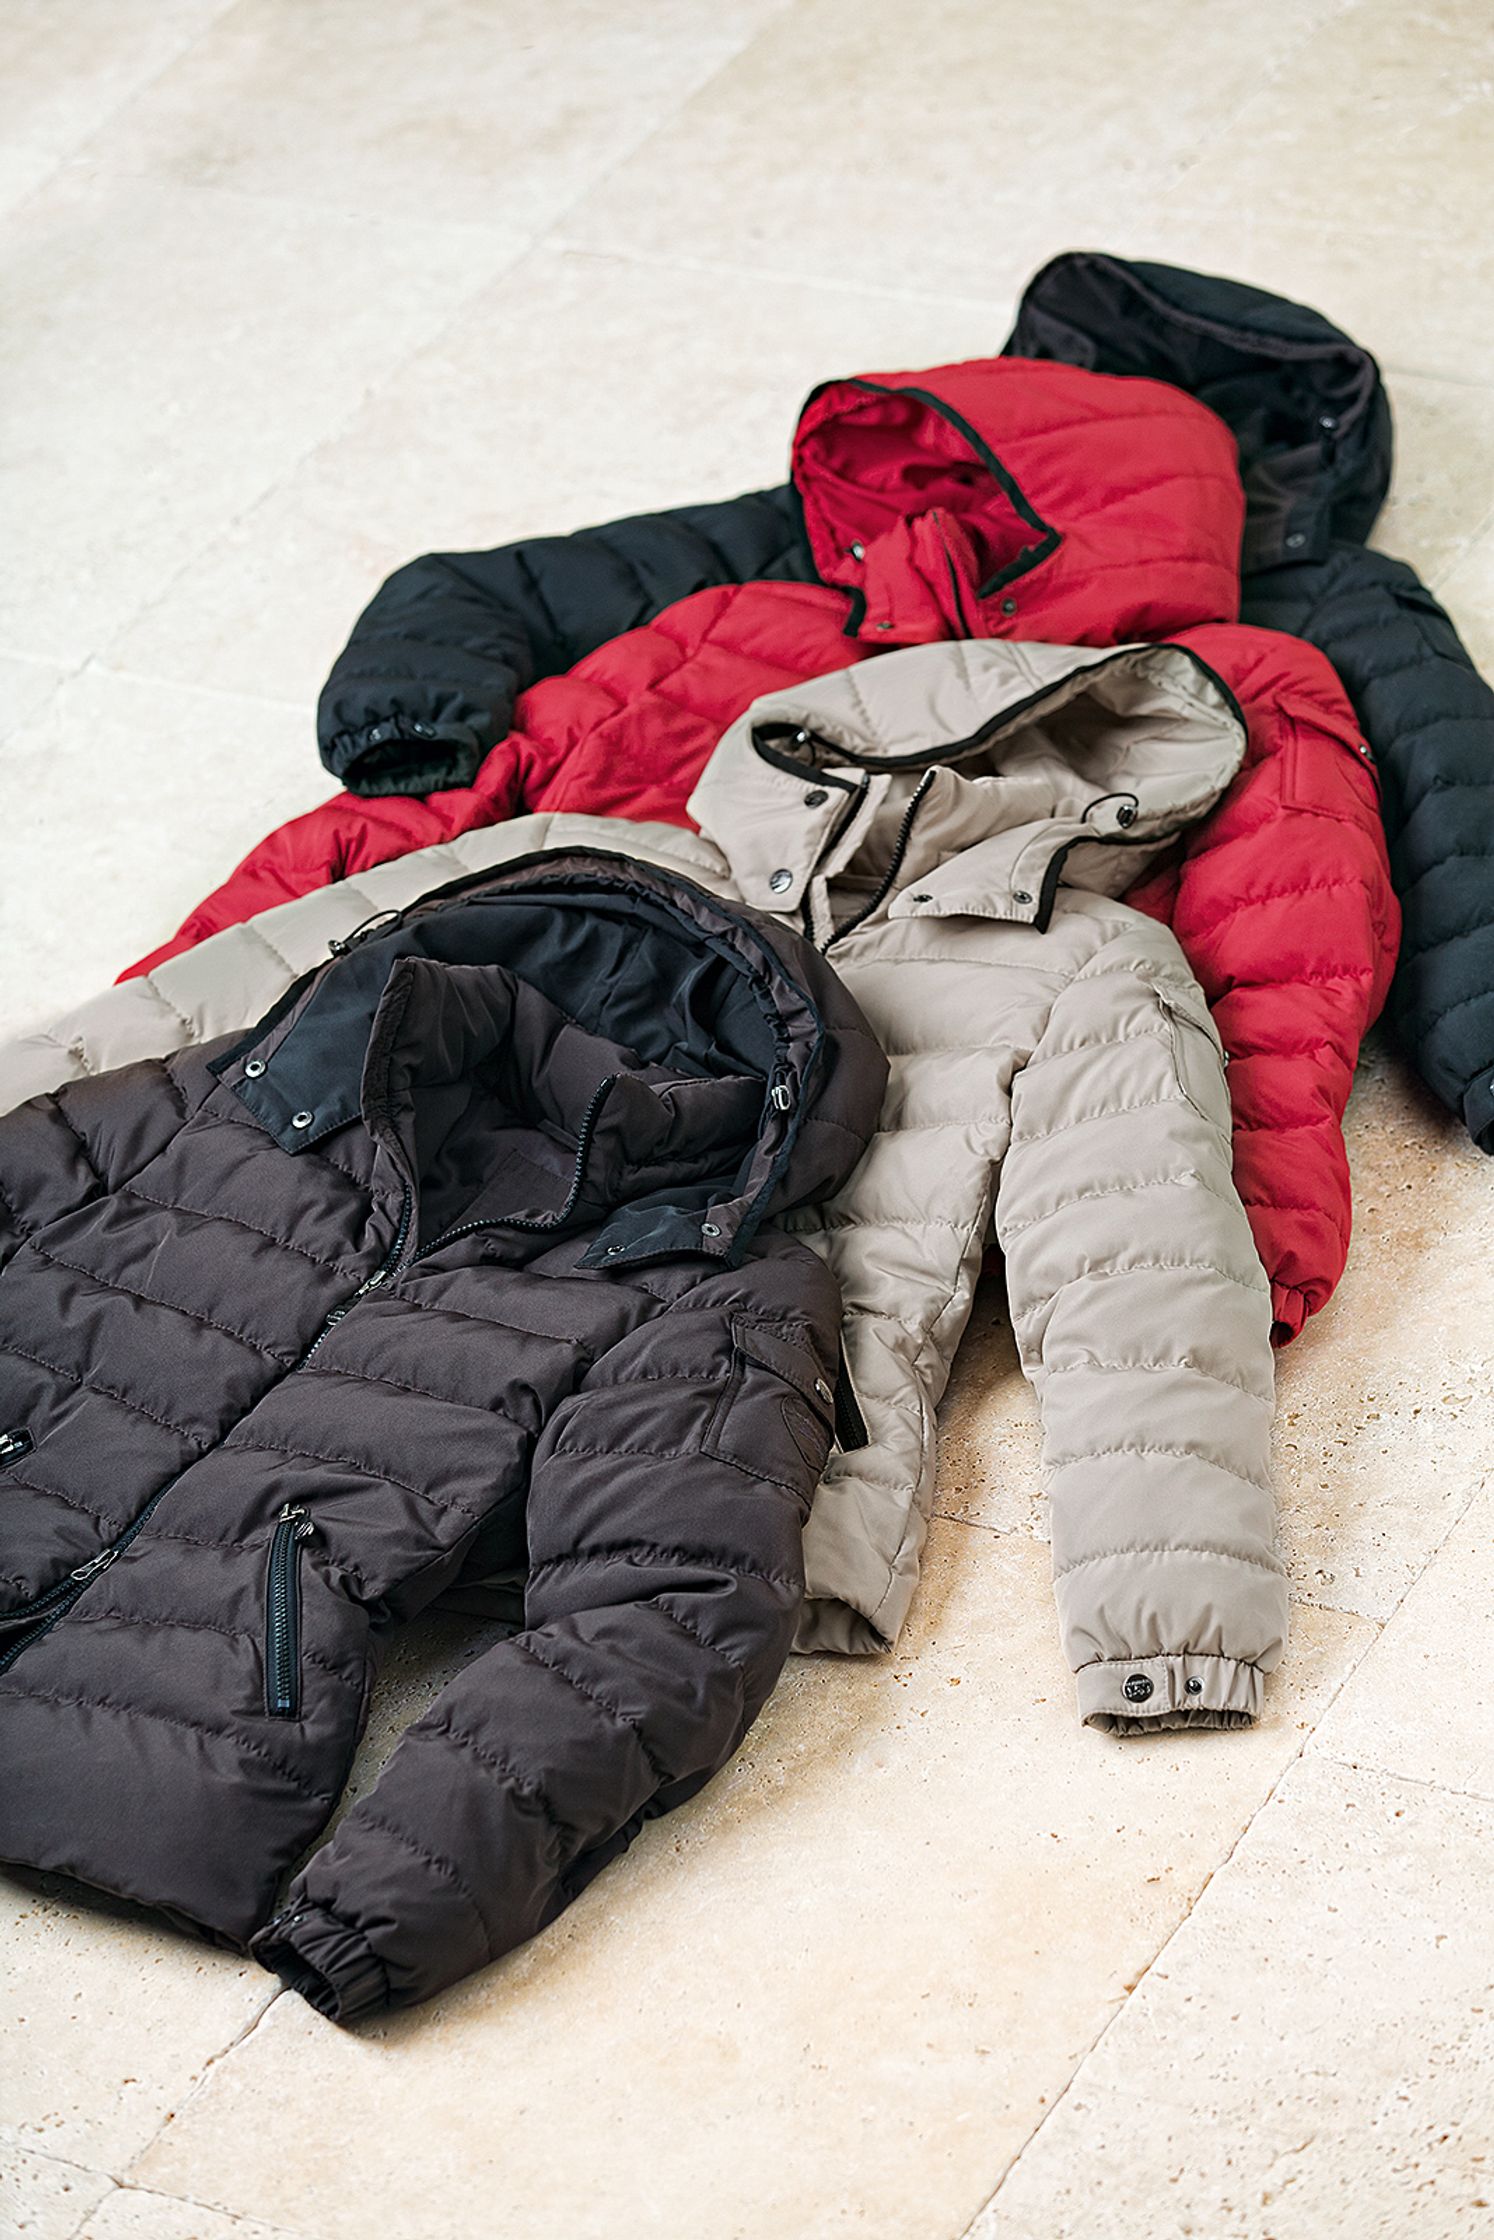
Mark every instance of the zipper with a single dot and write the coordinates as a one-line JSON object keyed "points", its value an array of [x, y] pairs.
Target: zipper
{"points": [[545, 1221], [13, 1444], [850, 1423], [899, 850], [283, 1613]]}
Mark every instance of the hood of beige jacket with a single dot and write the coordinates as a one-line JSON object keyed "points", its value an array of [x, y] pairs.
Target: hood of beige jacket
{"points": [[954, 825]]}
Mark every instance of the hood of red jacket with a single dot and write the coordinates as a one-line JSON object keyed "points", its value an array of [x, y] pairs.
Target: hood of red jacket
{"points": [[1008, 498]]}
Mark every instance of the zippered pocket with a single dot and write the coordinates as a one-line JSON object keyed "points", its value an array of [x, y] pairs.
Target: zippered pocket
{"points": [[283, 1613], [1199, 1058], [850, 1424]]}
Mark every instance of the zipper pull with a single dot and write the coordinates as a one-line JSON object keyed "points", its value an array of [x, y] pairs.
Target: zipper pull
{"points": [[13, 1443], [371, 1283], [100, 1562], [293, 1513]]}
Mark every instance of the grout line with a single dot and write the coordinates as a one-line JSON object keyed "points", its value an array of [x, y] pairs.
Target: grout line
{"points": [[1324, 1755], [732, 268], [240, 2037]]}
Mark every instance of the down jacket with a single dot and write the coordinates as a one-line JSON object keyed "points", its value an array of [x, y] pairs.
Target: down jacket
{"points": [[1006, 502], [429, 679], [458, 1265], [952, 824], [1311, 417]]}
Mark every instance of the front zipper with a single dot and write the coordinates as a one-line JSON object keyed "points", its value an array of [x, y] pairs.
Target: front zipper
{"points": [[850, 1424], [283, 1613], [899, 850], [546, 1221]]}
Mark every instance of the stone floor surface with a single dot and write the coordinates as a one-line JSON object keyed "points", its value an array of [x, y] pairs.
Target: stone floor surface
{"points": [[301, 287]]}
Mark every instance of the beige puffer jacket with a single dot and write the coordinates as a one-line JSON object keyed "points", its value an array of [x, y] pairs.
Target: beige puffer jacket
{"points": [[952, 823]]}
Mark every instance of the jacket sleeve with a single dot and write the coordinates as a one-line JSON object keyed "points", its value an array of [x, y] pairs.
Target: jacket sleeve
{"points": [[426, 685], [1143, 1319], [664, 1522], [1283, 905], [1429, 718], [62, 1149]]}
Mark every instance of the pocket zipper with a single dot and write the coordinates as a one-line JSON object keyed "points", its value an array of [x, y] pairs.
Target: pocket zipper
{"points": [[283, 1613]]}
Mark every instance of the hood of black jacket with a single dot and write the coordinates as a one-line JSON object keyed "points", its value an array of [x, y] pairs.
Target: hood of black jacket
{"points": [[1304, 402], [707, 1062]]}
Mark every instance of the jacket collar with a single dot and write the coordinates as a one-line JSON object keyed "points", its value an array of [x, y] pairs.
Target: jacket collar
{"points": [[967, 780]]}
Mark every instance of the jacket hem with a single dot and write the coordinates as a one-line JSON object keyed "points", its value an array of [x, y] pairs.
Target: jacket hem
{"points": [[1146, 1695]]}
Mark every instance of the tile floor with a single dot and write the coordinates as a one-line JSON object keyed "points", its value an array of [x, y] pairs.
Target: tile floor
{"points": [[300, 289]]}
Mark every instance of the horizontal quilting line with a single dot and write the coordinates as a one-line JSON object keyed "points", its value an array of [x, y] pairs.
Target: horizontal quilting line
{"points": [[490, 1322], [523, 1785], [1175, 1454], [714, 1648], [192, 1438], [642, 1551], [16, 1477], [236, 1741], [201, 1625], [1173, 1548], [417, 1391], [1433, 1019], [524, 1643], [372, 1471], [1041, 1057], [168, 1306], [1438, 942], [236, 1221], [568, 1449], [365, 1817], [55, 1100], [1156, 1368], [1141, 1268], [1023, 1138], [1007, 1230], [235, 1547]]}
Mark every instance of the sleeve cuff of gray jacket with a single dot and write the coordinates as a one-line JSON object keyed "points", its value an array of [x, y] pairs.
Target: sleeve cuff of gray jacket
{"points": [[333, 1966], [1146, 1694]]}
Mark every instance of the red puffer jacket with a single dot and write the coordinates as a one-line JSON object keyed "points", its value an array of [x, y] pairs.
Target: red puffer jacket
{"points": [[1003, 499]]}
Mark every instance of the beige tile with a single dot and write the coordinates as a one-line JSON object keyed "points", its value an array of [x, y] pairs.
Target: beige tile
{"points": [[1467, 592], [106, 2023], [1443, 492], [990, 1440], [167, 354], [1309, 2058], [831, 1995], [25, 689], [1419, 1703], [576, 389], [138, 797], [131, 2214], [65, 70], [1382, 1403], [838, 145], [1382, 121], [43, 2199], [446, 109]]}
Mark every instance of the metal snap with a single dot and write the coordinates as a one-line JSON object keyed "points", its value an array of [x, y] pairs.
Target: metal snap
{"points": [[780, 880], [611, 1249], [1125, 815], [1296, 541], [709, 1229], [921, 898], [1008, 606], [1194, 1687], [1020, 894], [1327, 420], [816, 798], [1137, 1688], [302, 1119], [857, 551], [254, 1069]]}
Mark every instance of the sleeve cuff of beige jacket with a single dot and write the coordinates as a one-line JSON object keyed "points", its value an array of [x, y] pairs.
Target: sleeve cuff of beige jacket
{"points": [[1146, 1694], [332, 1965]]}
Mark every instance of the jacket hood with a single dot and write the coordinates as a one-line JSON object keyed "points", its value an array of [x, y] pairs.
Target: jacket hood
{"points": [[706, 1069], [1304, 402], [969, 779], [1001, 500]]}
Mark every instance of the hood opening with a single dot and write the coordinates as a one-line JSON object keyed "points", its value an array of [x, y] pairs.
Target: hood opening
{"points": [[1304, 402]]}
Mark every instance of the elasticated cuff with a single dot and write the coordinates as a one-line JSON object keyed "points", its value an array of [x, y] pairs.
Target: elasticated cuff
{"points": [[398, 756], [333, 1966], [1149, 1694], [1290, 1308], [1478, 1109]]}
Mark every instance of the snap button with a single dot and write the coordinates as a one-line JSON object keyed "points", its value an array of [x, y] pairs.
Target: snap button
{"points": [[1327, 420], [1137, 1688], [921, 898], [611, 1249], [709, 1229], [302, 1119], [1020, 894], [1125, 815], [254, 1069], [1296, 541], [1008, 606], [883, 626], [423, 730], [816, 798], [801, 738], [780, 880], [1194, 1687], [857, 551]]}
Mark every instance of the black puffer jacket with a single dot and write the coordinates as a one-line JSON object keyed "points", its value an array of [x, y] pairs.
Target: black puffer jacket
{"points": [[1312, 422], [428, 682], [457, 1268]]}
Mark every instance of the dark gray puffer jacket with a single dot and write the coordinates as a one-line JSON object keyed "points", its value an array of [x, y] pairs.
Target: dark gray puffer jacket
{"points": [[456, 1269]]}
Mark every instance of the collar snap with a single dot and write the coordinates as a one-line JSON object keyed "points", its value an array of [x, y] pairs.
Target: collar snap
{"points": [[780, 879], [254, 1069], [816, 798], [302, 1119], [1020, 894]]}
